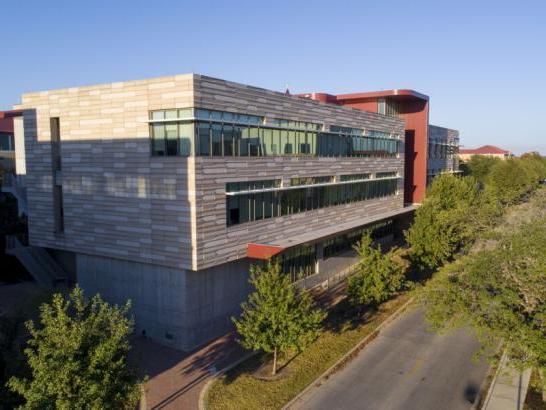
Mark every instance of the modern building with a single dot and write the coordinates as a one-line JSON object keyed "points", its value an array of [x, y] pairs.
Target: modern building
{"points": [[165, 191], [486, 150]]}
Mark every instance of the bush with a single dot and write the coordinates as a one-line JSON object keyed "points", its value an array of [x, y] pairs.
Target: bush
{"points": [[378, 275]]}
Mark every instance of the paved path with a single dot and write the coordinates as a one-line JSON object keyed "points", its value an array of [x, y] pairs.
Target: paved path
{"points": [[176, 378], [508, 389], [405, 367]]}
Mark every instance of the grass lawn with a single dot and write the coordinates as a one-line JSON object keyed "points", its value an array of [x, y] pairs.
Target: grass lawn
{"points": [[344, 328]]}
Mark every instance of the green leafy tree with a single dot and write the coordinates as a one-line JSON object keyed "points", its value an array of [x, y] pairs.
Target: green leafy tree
{"points": [[499, 291], [453, 213], [509, 180], [378, 275], [479, 166], [77, 356], [536, 165], [277, 317]]}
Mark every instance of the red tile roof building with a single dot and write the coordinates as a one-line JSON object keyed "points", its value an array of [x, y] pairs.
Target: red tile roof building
{"points": [[487, 150]]}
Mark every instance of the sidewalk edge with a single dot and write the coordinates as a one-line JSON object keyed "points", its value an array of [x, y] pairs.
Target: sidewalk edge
{"points": [[217, 375]]}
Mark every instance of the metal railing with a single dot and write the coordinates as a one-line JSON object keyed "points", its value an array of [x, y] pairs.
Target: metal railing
{"points": [[16, 241], [326, 279]]}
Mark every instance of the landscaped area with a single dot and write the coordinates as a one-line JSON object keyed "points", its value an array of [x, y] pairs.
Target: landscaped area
{"points": [[344, 328]]}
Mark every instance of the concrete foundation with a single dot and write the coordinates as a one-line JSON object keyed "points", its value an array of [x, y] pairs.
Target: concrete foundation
{"points": [[178, 308], [182, 308]]}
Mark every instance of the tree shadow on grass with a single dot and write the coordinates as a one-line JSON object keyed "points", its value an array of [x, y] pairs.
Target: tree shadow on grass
{"points": [[249, 366], [344, 317]]}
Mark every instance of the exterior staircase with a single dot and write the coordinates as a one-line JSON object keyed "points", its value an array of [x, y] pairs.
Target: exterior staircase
{"points": [[37, 261], [16, 185]]}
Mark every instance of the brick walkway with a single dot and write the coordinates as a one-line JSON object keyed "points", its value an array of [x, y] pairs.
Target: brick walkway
{"points": [[177, 378]]}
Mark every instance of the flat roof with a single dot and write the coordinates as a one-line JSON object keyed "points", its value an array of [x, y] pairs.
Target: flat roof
{"points": [[268, 249], [385, 93]]}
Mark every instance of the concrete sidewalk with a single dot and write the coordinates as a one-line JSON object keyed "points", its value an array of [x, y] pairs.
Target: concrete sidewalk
{"points": [[508, 389]]}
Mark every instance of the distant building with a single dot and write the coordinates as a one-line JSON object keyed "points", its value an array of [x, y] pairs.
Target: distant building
{"points": [[443, 149], [486, 150], [428, 150], [7, 145], [12, 157]]}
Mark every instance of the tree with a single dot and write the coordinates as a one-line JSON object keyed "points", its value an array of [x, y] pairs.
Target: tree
{"points": [[378, 275], [454, 211], [499, 291], [277, 317], [536, 165], [479, 166], [509, 180], [77, 356]]}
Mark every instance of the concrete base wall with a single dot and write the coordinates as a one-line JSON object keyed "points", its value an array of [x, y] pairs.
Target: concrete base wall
{"points": [[67, 261], [177, 308], [181, 308]]}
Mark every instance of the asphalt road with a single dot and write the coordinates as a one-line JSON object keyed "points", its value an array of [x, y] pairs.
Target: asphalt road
{"points": [[406, 368]]}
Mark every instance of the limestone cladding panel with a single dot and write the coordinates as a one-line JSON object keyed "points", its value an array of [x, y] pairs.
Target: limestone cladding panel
{"points": [[118, 200], [217, 243]]}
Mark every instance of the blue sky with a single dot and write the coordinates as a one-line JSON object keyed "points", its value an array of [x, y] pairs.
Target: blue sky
{"points": [[483, 63]]}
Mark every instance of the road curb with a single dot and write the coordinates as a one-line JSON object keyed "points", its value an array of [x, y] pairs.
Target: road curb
{"points": [[503, 366], [217, 375], [478, 405], [347, 356], [485, 387]]}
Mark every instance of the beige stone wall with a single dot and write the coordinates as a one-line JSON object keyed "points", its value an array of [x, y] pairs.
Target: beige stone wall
{"points": [[19, 142], [118, 200], [122, 203], [467, 157]]}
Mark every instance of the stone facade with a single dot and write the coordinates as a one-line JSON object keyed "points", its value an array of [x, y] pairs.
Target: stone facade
{"points": [[123, 203], [118, 200]]}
